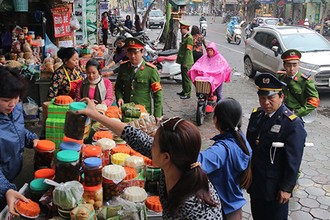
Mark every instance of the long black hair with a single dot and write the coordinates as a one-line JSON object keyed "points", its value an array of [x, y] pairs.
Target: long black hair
{"points": [[65, 53], [182, 141], [228, 113]]}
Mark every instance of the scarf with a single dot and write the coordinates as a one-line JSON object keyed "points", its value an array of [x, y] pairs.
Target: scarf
{"points": [[100, 89]]}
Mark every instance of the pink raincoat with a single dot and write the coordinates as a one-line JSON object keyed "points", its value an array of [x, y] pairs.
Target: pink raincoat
{"points": [[215, 68]]}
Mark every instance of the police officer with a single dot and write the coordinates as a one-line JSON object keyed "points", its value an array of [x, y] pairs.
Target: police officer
{"points": [[185, 59], [277, 137], [300, 95], [138, 81]]}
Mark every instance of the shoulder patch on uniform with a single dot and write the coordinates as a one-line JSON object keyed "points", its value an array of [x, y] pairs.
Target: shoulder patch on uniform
{"points": [[290, 115], [306, 77], [151, 65], [258, 109], [123, 62]]}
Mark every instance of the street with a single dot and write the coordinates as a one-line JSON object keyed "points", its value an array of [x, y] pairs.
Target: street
{"points": [[311, 198]]}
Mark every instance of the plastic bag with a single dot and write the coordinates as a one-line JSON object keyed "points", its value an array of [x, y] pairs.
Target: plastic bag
{"points": [[68, 195], [74, 23], [31, 107]]}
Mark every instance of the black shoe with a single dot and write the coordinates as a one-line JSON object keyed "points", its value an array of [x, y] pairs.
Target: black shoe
{"points": [[184, 96], [180, 93]]}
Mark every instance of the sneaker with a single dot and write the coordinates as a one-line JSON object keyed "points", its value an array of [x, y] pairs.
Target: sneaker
{"points": [[180, 93], [184, 96]]}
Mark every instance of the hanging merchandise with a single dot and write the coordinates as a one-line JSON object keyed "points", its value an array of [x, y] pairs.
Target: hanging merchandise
{"points": [[74, 23]]}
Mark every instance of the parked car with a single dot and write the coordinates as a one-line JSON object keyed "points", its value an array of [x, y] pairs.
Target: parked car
{"points": [[262, 21], [155, 18], [263, 52]]}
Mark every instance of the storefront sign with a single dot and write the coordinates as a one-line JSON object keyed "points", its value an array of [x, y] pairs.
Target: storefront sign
{"points": [[61, 18]]}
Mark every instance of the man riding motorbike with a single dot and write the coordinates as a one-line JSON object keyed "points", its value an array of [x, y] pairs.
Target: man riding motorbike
{"points": [[231, 25], [202, 18]]}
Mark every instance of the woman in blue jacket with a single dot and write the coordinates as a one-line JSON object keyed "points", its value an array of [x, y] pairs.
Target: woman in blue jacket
{"points": [[227, 161], [13, 135]]}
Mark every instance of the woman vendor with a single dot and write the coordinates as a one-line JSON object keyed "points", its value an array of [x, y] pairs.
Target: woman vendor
{"points": [[95, 87], [65, 78]]}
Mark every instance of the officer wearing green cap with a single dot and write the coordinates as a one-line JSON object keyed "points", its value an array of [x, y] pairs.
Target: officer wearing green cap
{"points": [[300, 95], [277, 138], [138, 81], [185, 59]]}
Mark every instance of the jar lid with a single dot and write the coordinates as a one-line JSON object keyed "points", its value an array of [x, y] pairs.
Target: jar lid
{"points": [[75, 106], [92, 162], [92, 188], [39, 185], [92, 151], [45, 145], [44, 173], [70, 146], [67, 155], [68, 139]]}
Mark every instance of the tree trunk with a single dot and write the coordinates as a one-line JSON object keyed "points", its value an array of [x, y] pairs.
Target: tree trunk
{"points": [[172, 36], [145, 16]]}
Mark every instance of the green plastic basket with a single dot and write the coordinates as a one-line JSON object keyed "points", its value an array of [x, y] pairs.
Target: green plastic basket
{"points": [[21, 5]]}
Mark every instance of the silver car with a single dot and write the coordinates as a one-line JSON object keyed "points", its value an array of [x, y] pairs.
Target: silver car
{"points": [[263, 52], [155, 18]]}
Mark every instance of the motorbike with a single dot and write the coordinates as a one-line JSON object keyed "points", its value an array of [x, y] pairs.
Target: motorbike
{"points": [[203, 27], [236, 37], [206, 100], [167, 66]]}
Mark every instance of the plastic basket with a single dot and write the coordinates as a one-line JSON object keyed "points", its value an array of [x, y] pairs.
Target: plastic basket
{"points": [[203, 86], [21, 5]]}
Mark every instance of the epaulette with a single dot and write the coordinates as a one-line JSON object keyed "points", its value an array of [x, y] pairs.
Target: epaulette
{"points": [[307, 77], [290, 115], [123, 62], [151, 65], [258, 109]]}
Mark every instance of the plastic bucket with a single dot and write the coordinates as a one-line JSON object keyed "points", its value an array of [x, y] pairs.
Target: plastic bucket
{"points": [[21, 5]]}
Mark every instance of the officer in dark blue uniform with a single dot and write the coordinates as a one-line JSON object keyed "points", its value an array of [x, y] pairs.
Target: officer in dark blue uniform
{"points": [[277, 137]]}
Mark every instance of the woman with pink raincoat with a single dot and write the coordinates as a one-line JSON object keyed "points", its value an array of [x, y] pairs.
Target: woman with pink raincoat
{"points": [[213, 65]]}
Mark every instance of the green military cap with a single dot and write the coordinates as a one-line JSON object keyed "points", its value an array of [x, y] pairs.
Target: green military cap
{"points": [[291, 54], [183, 25], [134, 43]]}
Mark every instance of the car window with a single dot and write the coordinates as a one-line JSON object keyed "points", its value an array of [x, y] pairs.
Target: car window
{"points": [[305, 42], [261, 37], [273, 41], [271, 21], [156, 14]]}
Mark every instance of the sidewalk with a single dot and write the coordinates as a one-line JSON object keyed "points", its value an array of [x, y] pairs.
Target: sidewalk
{"points": [[311, 197]]}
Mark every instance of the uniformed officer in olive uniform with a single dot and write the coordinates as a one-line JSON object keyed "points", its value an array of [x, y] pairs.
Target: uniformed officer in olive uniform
{"points": [[185, 59], [300, 95], [277, 137], [138, 81]]}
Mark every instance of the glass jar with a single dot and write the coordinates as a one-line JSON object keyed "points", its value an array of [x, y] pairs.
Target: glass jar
{"points": [[44, 154], [92, 171], [112, 189], [46, 173], [67, 166], [92, 151], [76, 126], [37, 189], [93, 195]]}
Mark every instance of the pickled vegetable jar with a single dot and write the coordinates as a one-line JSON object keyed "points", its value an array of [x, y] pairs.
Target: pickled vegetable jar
{"points": [[92, 171], [44, 154], [76, 126], [93, 195], [37, 189], [67, 166]]}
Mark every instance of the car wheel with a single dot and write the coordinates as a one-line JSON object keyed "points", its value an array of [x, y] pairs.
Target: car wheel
{"points": [[248, 68]]}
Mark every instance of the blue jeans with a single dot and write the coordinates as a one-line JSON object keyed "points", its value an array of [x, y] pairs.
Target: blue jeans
{"points": [[218, 93]]}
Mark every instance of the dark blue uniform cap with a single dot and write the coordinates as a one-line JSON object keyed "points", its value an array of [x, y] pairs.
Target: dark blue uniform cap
{"points": [[268, 84]]}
